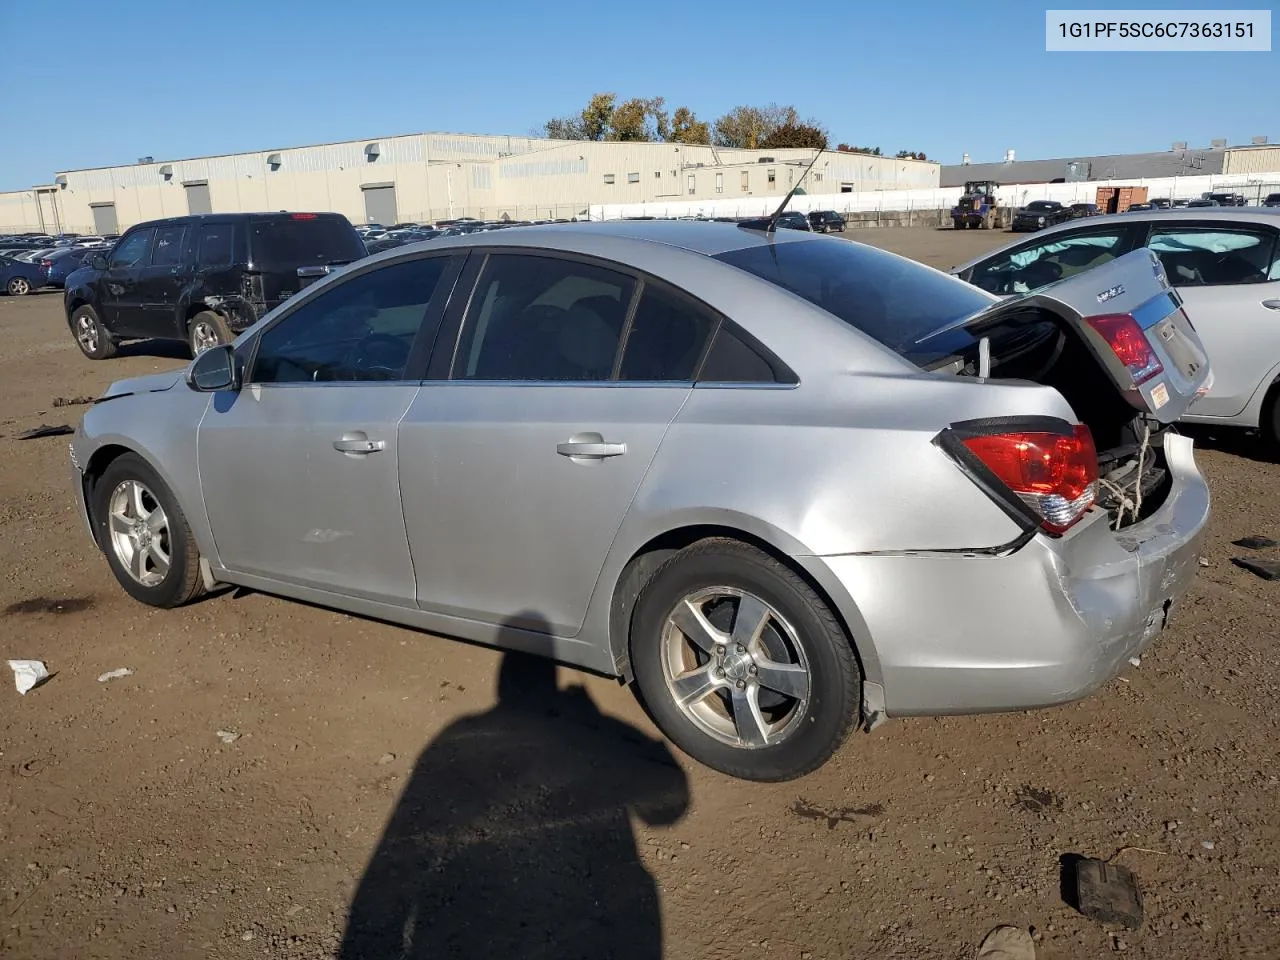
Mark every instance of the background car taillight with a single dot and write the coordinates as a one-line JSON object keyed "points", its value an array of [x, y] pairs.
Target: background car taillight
{"points": [[1045, 471], [1128, 341]]}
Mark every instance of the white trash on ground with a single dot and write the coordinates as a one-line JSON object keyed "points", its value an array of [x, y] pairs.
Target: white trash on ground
{"points": [[227, 736], [28, 674], [115, 674]]}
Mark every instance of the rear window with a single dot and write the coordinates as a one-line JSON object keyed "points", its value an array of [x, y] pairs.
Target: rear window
{"points": [[298, 242], [891, 299]]}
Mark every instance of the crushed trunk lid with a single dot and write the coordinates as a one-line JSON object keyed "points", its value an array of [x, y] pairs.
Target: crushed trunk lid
{"points": [[1131, 320]]}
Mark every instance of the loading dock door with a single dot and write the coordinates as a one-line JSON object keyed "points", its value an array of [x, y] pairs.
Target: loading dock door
{"points": [[104, 218], [380, 203], [198, 197]]}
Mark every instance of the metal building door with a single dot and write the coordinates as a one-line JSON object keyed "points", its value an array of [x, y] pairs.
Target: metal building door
{"points": [[380, 204], [198, 197], [104, 218]]}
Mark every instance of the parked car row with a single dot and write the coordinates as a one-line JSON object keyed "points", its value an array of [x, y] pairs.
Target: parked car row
{"points": [[31, 261]]}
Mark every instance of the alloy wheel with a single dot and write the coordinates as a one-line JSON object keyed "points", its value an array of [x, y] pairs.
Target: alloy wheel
{"points": [[735, 667], [87, 333], [203, 336], [139, 532]]}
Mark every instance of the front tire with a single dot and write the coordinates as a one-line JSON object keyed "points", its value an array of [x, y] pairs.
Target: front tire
{"points": [[741, 664], [145, 535], [91, 336], [207, 329], [1269, 423], [18, 286]]}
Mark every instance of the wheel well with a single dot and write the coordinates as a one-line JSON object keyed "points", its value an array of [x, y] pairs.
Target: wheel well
{"points": [[75, 305], [645, 562], [102, 458]]}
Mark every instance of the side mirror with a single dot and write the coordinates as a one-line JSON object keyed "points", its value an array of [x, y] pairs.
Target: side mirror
{"points": [[215, 369], [97, 261]]}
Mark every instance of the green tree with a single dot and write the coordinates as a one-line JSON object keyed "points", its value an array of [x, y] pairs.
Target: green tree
{"points": [[796, 135], [639, 119], [747, 127], [911, 155]]}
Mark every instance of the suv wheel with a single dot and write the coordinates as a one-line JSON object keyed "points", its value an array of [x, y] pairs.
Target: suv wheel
{"points": [[741, 664], [19, 287], [207, 329], [145, 535], [91, 336]]}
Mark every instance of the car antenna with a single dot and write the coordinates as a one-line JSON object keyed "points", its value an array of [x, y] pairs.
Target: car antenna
{"points": [[773, 220]]}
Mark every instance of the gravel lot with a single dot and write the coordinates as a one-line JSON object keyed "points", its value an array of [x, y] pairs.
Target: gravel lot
{"points": [[372, 772]]}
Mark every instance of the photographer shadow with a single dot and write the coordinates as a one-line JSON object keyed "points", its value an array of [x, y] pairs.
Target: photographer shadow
{"points": [[513, 835]]}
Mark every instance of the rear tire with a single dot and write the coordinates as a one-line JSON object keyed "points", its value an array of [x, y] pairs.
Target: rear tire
{"points": [[18, 287], [1269, 422], [207, 329], [145, 535], [767, 698], [91, 336]]}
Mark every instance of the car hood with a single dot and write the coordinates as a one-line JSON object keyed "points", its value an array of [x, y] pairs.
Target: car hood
{"points": [[151, 383], [1035, 213]]}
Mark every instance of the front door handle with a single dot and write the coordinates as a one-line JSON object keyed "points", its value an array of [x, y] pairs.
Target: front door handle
{"points": [[358, 444], [1271, 304], [590, 446]]}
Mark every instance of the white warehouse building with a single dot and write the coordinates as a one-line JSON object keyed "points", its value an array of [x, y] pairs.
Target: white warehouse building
{"points": [[434, 176]]}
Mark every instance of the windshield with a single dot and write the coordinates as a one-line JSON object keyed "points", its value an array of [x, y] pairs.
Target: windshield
{"points": [[296, 242], [1040, 205], [893, 300]]}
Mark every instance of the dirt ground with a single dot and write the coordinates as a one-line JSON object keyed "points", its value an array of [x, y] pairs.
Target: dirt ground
{"points": [[374, 773]]}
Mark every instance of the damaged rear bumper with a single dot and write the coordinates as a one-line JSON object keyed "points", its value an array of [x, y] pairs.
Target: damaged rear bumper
{"points": [[1045, 624]]}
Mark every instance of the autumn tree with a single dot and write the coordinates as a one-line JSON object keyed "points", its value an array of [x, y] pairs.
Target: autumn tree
{"points": [[747, 127], [869, 151], [911, 155], [687, 128]]}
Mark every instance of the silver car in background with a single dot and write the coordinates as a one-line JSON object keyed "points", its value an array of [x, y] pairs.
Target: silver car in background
{"points": [[783, 482], [1224, 264]]}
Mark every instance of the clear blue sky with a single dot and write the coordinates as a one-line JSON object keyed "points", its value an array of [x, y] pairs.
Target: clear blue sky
{"points": [[92, 82]]}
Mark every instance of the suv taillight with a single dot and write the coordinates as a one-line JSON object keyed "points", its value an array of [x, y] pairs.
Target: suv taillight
{"points": [[1045, 470], [1128, 341]]}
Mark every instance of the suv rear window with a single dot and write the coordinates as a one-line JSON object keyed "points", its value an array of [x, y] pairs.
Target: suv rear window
{"points": [[891, 299], [281, 243]]}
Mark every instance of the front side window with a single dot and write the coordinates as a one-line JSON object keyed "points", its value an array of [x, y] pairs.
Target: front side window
{"points": [[1215, 256], [543, 318], [133, 249], [361, 329], [167, 251], [1031, 267]]}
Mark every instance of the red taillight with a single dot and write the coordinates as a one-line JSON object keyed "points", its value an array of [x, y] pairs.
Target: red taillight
{"points": [[303, 216], [1129, 343], [1055, 474], [46, 264]]}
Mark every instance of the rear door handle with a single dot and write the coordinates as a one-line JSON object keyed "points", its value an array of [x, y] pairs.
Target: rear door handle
{"points": [[1271, 304], [358, 444], [590, 446]]}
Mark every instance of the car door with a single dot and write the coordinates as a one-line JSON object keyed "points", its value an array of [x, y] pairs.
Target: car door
{"points": [[299, 469], [119, 284], [1064, 253], [160, 281], [519, 464], [1228, 275]]}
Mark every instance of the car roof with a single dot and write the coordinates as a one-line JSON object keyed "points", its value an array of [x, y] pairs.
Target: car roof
{"points": [[238, 217], [1269, 216], [708, 238]]}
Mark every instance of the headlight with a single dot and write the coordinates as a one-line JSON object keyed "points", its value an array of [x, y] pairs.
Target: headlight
{"points": [[1040, 220]]}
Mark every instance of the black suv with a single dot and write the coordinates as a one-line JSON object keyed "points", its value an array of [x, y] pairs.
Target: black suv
{"points": [[824, 221], [202, 279], [1227, 199], [1039, 214]]}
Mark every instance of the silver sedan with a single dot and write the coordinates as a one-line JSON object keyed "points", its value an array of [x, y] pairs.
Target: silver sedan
{"points": [[784, 483]]}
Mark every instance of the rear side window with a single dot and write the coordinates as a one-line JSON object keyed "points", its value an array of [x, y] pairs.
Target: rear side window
{"points": [[301, 240], [889, 298], [667, 337], [1215, 256], [213, 244], [732, 360], [543, 318]]}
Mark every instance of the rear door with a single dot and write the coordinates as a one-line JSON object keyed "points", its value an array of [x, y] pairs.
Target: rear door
{"points": [[518, 468], [1133, 323], [1228, 274]]}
